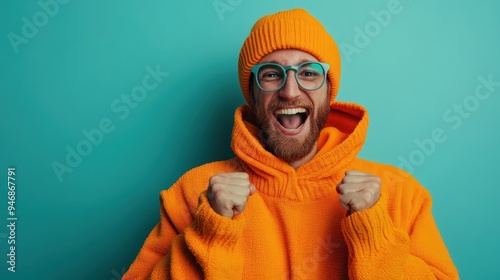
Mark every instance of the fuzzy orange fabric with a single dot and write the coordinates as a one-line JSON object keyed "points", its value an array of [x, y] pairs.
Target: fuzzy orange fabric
{"points": [[294, 227]]}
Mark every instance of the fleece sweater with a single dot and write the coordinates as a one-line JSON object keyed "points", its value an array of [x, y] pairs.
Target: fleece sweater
{"points": [[294, 227]]}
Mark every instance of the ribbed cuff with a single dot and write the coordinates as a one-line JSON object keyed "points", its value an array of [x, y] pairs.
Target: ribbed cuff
{"points": [[214, 229], [371, 231]]}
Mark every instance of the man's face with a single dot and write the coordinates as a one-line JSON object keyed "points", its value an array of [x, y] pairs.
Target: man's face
{"points": [[291, 118]]}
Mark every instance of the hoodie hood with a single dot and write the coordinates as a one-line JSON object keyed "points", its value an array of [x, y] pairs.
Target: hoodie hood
{"points": [[340, 141]]}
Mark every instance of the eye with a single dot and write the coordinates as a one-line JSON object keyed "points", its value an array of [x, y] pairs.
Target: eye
{"points": [[311, 71], [270, 75]]}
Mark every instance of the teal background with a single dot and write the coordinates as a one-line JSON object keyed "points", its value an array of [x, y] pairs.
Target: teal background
{"points": [[65, 78]]}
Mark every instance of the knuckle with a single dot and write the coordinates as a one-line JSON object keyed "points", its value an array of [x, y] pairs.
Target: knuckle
{"points": [[219, 196], [213, 180], [345, 201], [216, 187], [358, 205], [242, 201], [217, 192], [215, 196], [367, 196], [228, 204], [247, 182], [341, 188], [374, 185], [355, 205]]}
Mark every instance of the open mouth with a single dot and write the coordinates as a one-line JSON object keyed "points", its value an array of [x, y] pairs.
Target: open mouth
{"points": [[291, 118]]}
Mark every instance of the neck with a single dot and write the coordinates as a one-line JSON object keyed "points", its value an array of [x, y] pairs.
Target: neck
{"points": [[296, 164]]}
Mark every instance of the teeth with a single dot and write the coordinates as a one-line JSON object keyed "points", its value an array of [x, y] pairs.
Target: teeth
{"points": [[291, 111]]}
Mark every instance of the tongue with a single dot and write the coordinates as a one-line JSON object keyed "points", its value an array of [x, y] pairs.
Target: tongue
{"points": [[290, 121]]}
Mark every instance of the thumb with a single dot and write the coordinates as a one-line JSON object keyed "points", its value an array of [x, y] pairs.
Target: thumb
{"points": [[253, 189]]}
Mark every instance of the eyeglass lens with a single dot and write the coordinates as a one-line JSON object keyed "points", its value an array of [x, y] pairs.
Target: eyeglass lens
{"points": [[310, 76]]}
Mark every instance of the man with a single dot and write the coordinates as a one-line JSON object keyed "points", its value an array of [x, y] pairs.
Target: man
{"points": [[296, 202]]}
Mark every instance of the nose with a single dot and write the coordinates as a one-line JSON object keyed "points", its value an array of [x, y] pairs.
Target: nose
{"points": [[291, 88]]}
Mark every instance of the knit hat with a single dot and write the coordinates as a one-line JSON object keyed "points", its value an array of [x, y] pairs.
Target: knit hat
{"points": [[290, 29]]}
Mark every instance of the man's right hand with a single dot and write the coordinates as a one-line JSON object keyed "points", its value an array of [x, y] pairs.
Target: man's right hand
{"points": [[228, 193]]}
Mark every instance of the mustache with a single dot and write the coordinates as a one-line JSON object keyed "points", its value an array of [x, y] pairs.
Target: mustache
{"points": [[277, 104]]}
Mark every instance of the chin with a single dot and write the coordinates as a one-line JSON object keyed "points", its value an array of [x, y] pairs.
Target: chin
{"points": [[291, 148]]}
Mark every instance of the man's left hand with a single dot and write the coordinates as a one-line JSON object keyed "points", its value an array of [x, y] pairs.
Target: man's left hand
{"points": [[358, 190]]}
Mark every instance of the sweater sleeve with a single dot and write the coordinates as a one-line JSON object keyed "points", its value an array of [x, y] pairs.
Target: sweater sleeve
{"points": [[378, 249], [208, 248]]}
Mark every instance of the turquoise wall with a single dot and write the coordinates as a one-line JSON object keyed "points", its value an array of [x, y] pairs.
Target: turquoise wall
{"points": [[105, 103]]}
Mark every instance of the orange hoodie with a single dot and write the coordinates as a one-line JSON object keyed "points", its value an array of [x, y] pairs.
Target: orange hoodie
{"points": [[294, 227]]}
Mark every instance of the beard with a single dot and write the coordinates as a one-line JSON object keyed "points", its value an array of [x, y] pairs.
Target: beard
{"points": [[287, 148]]}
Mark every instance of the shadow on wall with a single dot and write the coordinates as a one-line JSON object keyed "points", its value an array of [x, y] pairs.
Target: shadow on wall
{"points": [[202, 135], [209, 124]]}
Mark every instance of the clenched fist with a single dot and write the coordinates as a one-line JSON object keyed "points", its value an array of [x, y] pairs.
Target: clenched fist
{"points": [[358, 190], [228, 193]]}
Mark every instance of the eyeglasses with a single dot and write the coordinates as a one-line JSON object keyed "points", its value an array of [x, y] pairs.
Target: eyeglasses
{"points": [[272, 76]]}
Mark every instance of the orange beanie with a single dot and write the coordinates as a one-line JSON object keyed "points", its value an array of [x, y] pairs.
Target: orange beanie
{"points": [[291, 29]]}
